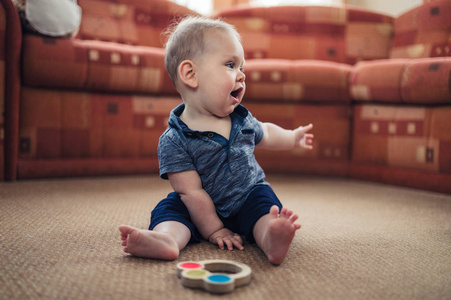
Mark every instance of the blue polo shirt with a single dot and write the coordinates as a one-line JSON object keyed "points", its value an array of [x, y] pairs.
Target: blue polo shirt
{"points": [[228, 168]]}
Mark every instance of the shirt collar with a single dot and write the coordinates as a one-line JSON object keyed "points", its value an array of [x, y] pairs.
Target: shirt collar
{"points": [[238, 115]]}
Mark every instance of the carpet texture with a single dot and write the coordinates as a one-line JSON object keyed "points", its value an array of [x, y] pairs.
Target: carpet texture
{"points": [[59, 239]]}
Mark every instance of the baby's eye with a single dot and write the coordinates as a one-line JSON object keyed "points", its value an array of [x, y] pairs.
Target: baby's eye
{"points": [[242, 69], [230, 65]]}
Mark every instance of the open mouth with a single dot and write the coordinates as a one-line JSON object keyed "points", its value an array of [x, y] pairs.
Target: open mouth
{"points": [[236, 93]]}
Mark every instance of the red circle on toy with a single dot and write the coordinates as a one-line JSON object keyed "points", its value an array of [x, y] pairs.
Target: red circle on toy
{"points": [[191, 266]]}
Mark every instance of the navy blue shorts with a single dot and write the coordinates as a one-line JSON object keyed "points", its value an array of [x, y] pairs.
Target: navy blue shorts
{"points": [[257, 204]]}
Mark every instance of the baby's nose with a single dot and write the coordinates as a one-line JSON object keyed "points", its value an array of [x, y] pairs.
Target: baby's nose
{"points": [[241, 76]]}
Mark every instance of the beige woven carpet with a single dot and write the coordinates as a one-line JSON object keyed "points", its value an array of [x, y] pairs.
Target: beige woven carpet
{"points": [[59, 240]]}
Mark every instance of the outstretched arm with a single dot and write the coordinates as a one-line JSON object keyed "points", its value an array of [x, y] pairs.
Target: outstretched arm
{"points": [[202, 210], [277, 138]]}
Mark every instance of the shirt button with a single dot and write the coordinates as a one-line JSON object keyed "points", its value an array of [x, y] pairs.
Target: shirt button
{"points": [[210, 135]]}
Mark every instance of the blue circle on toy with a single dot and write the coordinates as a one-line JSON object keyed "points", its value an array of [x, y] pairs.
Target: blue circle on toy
{"points": [[219, 278]]}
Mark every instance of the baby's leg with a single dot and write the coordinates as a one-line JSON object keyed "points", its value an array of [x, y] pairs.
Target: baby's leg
{"points": [[163, 242], [274, 233]]}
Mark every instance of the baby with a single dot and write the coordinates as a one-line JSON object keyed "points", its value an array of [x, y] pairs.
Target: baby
{"points": [[220, 193]]}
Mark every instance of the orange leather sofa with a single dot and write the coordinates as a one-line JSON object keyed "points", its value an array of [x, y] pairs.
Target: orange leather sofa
{"points": [[376, 87]]}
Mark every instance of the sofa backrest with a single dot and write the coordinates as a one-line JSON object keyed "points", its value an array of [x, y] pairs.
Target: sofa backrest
{"points": [[424, 31], [134, 22], [342, 34], [118, 48]]}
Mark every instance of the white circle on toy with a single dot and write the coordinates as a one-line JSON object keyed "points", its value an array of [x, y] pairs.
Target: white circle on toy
{"points": [[215, 276]]}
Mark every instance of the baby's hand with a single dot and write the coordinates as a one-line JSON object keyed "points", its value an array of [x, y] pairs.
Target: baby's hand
{"points": [[226, 237], [302, 138]]}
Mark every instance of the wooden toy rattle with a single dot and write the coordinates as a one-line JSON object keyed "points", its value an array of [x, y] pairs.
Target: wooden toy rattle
{"points": [[200, 275]]}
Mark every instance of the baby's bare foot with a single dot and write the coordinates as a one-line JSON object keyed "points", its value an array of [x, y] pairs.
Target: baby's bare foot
{"points": [[280, 234], [150, 244]]}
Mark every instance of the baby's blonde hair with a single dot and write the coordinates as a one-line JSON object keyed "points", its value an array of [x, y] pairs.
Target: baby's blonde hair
{"points": [[186, 40]]}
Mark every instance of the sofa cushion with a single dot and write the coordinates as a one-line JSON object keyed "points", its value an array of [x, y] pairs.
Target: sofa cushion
{"points": [[427, 81], [94, 65], [378, 80], [296, 81], [424, 81]]}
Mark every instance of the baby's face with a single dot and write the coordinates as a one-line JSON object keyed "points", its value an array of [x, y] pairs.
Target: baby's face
{"points": [[220, 74]]}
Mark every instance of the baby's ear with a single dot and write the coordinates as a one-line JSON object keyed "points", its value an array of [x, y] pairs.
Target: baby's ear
{"points": [[187, 73]]}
